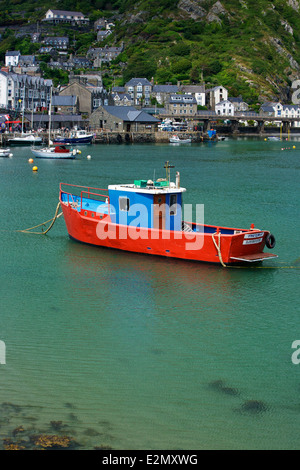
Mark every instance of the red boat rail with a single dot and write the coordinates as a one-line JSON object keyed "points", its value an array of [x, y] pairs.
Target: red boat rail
{"points": [[87, 190]]}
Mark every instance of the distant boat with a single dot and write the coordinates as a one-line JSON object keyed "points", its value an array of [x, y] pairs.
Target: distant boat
{"points": [[176, 140], [76, 137], [274, 138], [25, 139], [55, 152], [5, 152]]}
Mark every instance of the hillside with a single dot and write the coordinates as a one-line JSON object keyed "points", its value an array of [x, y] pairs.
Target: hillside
{"points": [[252, 47]]}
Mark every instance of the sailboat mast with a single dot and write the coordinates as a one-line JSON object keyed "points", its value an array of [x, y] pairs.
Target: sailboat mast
{"points": [[50, 105], [23, 108]]}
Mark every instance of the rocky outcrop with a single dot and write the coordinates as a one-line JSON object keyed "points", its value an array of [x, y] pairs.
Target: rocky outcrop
{"points": [[294, 4], [284, 53], [197, 12], [193, 8]]}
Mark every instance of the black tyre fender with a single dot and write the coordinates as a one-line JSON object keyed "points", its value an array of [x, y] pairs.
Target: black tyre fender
{"points": [[270, 241]]}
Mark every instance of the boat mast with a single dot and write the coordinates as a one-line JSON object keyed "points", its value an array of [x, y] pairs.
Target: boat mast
{"points": [[50, 105], [168, 173], [23, 108], [32, 112]]}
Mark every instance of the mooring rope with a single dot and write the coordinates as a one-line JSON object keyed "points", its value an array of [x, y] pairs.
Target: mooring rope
{"points": [[218, 247], [56, 216]]}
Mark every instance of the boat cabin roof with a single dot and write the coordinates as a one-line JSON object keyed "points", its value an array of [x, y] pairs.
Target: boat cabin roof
{"points": [[148, 187]]}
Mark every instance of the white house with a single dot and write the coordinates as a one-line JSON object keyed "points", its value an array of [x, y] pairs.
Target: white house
{"points": [[63, 16], [289, 111], [224, 108], [12, 58], [215, 95]]}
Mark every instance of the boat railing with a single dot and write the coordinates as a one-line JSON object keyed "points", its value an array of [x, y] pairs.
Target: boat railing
{"points": [[85, 191]]}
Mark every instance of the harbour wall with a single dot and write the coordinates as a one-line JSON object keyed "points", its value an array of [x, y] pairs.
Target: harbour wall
{"points": [[114, 137]]}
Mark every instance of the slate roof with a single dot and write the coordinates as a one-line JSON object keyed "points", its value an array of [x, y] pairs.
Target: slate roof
{"points": [[138, 81], [130, 113], [12, 53], [182, 99], [64, 100], [65, 12], [165, 89]]}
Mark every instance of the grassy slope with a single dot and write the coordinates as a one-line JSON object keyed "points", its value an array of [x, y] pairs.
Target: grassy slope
{"points": [[252, 46]]}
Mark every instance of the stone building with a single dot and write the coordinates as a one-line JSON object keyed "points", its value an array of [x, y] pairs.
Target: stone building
{"points": [[123, 119], [89, 97], [182, 105]]}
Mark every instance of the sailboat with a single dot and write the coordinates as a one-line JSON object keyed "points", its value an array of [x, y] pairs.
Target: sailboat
{"points": [[26, 138], [53, 151]]}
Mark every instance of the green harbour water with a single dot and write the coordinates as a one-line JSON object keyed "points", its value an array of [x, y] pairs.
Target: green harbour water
{"points": [[135, 352]]}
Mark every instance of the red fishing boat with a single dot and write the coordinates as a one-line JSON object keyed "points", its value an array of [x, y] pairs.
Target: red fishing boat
{"points": [[146, 217]]}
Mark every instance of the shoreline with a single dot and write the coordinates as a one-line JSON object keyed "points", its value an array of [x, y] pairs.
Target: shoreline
{"points": [[115, 137]]}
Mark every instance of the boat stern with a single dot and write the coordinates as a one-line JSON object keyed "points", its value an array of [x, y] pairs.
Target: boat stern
{"points": [[248, 246]]}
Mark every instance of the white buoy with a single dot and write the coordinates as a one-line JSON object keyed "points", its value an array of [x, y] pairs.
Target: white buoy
{"points": [[88, 157], [74, 152]]}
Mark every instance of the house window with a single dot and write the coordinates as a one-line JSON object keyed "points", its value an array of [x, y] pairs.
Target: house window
{"points": [[124, 204], [96, 103]]}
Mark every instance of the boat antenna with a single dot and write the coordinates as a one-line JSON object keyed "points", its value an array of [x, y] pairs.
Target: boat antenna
{"points": [[167, 166]]}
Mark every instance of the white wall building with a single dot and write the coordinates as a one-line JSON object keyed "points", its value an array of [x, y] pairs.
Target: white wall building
{"points": [[12, 58], [290, 111], [224, 108], [63, 16], [215, 95]]}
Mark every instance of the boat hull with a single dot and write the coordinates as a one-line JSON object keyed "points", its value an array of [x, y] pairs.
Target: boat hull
{"points": [[25, 141], [180, 141], [73, 141], [209, 244], [52, 155], [5, 153]]}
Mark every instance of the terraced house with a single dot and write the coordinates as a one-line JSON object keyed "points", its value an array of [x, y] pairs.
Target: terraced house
{"points": [[18, 90]]}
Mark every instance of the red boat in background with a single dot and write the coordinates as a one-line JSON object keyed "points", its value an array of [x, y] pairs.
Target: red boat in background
{"points": [[146, 217]]}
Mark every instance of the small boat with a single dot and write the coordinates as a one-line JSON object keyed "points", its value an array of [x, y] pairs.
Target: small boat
{"points": [[25, 139], [108, 218], [274, 138], [77, 137], [5, 152], [54, 152], [176, 140]]}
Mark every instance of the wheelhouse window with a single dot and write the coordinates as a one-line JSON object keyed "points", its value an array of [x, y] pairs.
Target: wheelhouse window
{"points": [[124, 204], [173, 204]]}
